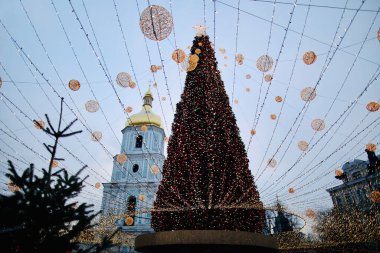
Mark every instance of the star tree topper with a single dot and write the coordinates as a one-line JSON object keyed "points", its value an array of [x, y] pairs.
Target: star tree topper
{"points": [[201, 30]]}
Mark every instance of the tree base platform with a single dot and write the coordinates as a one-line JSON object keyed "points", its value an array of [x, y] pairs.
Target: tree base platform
{"points": [[205, 241]]}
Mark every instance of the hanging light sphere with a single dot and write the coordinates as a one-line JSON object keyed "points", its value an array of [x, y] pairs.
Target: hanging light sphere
{"points": [[303, 145], [371, 147], [278, 99], [248, 76], [239, 59], [373, 106], [121, 158], [178, 55], [96, 136], [273, 116], [132, 84], [308, 94], [144, 128], [338, 173], [123, 79], [156, 23], [74, 85], [92, 106], [264, 63], [225, 57], [190, 63], [129, 109], [155, 68], [154, 169], [291, 190], [318, 125], [309, 57], [272, 163], [253, 132], [141, 197], [375, 196], [54, 164], [310, 213], [98, 185], [200, 44], [129, 221], [222, 50], [268, 78], [39, 124]]}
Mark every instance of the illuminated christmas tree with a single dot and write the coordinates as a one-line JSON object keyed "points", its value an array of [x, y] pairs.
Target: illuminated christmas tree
{"points": [[206, 181]]}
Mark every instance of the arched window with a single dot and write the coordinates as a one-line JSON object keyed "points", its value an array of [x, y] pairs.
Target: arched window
{"points": [[131, 208], [139, 141], [135, 168]]}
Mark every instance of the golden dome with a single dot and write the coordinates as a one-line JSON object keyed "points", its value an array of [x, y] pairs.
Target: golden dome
{"points": [[145, 116]]}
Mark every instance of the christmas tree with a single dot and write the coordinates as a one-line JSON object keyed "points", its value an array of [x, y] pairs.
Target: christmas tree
{"points": [[42, 215], [206, 181]]}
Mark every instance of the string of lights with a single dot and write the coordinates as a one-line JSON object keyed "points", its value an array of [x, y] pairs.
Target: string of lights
{"points": [[326, 65], [287, 89], [236, 50]]}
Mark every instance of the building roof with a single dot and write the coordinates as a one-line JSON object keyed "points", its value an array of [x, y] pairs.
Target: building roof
{"points": [[146, 116]]}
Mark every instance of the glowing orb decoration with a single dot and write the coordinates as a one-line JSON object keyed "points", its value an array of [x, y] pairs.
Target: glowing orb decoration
{"points": [[92, 106], [144, 128], [163, 98], [141, 197], [248, 76], [303, 145], [121, 158], [194, 58], [318, 125], [273, 116], [155, 68], [225, 57], [373, 106], [190, 63], [375, 196], [198, 51], [128, 109], [156, 23], [247, 89], [338, 173], [278, 99], [178, 55], [132, 85], [129, 221], [253, 132], [236, 101], [308, 94], [371, 147], [239, 59], [123, 79], [268, 78], [264, 63], [12, 187], [222, 50], [309, 57], [98, 185], [291, 190], [200, 44], [272, 163], [54, 164], [310, 213], [74, 85], [154, 169], [39, 124], [96, 136]]}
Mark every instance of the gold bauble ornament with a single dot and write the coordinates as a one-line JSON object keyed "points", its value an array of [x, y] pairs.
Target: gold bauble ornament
{"points": [[129, 221], [371, 147], [373, 106], [144, 128], [39, 124], [318, 125], [268, 78], [310, 213], [375, 196], [154, 169], [253, 132], [129, 109], [92, 106], [141, 197], [178, 55], [132, 84], [74, 85], [198, 51], [309, 57], [303, 145], [278, 99], [291, 190], [273, 116], [121, 158], [338, 173], [98, 185], [96, 136]]}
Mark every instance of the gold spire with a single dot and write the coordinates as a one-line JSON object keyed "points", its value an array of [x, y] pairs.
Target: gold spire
{"points": [[145, 116]]}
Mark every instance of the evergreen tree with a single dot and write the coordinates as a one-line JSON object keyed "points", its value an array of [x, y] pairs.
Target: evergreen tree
{"points": [[41, 215], [206, 181], [281, 222]]}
